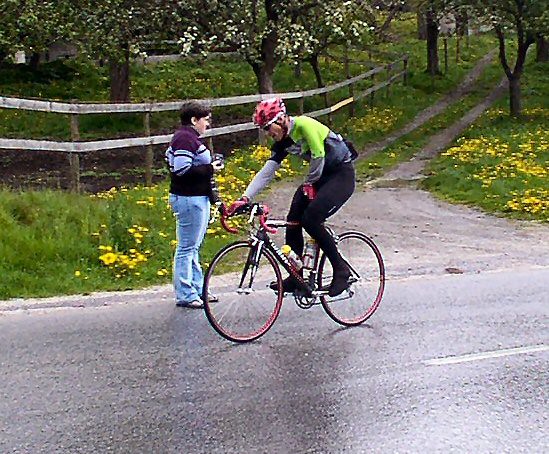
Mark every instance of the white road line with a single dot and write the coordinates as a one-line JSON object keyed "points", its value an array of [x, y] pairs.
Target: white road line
{"points": [[486, 355]]}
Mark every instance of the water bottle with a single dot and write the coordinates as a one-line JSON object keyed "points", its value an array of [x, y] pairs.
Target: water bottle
{"points": [[214, 195], [293, 258], [218, 157], [309, 254]]}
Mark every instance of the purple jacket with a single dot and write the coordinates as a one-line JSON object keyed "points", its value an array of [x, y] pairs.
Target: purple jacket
{"points": [[189, 162]]}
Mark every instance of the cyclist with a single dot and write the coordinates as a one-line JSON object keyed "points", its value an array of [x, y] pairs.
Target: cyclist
{"points": [[328, 185]]}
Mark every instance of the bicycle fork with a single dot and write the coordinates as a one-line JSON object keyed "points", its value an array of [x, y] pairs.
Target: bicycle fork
{"points": [[250, 268]]}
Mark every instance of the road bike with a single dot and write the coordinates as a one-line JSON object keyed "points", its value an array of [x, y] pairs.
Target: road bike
{"points": [[243, 284]]}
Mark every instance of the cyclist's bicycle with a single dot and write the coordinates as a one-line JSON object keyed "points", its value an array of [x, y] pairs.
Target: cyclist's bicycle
{"points": [[243, 284]]}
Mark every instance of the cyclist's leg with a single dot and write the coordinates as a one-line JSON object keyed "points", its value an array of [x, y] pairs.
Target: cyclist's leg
{"points": [[294, 234], [332, 194]]}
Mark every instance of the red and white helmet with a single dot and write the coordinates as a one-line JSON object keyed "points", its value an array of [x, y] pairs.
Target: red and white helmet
{"points": [[268, 111]]}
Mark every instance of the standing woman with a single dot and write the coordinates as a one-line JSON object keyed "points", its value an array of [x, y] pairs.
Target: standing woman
{"points": [[191, 172]]}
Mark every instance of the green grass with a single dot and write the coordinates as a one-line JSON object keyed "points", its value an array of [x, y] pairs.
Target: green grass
{"points": [[501, 164], [52, 242], [404, 148]]}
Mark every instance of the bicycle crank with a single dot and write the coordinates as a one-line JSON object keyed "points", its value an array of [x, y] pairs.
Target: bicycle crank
{"points": [[304, 302]]}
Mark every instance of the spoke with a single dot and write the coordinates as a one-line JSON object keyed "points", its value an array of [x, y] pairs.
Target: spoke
{"points": [[245, 309], [364, 294]]}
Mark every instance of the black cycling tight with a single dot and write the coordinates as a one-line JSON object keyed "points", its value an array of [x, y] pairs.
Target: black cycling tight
{"points": [[333, 191]]}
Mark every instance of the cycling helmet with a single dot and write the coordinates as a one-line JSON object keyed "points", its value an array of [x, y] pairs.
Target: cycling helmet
{"points": [[268, 111]]}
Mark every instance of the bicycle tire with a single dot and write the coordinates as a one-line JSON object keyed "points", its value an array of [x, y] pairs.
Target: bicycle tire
{"points": [[242, 314], [367, 267]]}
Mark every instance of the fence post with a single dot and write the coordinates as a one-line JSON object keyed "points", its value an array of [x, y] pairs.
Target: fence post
{"points": [[327, 102], [372, 79], [261, 137], [348, 76], [405, 69], [74, 158], [445, 55], [388, 91], [352, 104], [149, 155], [300, 107]]}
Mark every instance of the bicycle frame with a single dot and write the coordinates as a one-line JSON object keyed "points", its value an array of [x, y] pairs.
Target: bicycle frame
{"points": [[224, 314], [259, 240]]}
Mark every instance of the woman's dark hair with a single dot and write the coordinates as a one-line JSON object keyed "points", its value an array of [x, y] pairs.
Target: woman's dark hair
{"points": [[193, 109]]}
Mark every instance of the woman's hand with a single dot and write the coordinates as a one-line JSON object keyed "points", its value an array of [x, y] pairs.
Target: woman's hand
{"points": [[218, 165]]}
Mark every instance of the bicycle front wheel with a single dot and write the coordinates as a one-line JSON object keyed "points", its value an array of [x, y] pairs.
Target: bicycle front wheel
{"points": [[358, 304], [238, 301]]}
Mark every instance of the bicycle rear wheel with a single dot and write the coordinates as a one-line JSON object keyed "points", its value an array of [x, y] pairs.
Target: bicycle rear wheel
{"points": [[239, 304], [357, 304]]}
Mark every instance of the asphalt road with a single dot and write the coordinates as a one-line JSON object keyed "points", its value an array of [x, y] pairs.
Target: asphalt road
{"points": [[142, 376]]}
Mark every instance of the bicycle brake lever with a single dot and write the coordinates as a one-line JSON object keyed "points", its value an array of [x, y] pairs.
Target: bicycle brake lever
{"points": [[253, 211]]}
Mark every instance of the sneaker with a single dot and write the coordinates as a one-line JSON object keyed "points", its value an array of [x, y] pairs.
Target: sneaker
{"points": [[340, 281], [289, 285], [194, 304]]}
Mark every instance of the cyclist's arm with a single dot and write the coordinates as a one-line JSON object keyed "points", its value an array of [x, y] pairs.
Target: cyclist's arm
{"points": [[311, 134], [262, 178], [314, 138], [316, 166], [267, 173]]}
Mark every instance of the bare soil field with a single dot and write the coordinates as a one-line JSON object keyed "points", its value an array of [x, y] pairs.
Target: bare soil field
{"points": [[100, 170]]}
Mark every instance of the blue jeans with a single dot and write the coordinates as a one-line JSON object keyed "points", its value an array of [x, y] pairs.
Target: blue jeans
{"points": [[192, 214]]}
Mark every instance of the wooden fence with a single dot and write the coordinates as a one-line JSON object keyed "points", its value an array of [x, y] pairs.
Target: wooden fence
{"points": [[74, 110]]}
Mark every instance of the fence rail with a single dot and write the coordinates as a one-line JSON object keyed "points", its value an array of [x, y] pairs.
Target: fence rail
{"points": [[91, 108], [76, 147]]}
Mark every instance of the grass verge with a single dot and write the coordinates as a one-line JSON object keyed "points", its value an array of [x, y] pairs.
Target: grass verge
{"points": [[501, 164], [59, 243], [404, 148]]}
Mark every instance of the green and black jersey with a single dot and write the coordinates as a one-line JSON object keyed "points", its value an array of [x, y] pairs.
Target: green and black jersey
{"points": [[312, 141]]}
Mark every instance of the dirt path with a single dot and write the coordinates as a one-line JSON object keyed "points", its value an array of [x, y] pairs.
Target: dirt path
{"points": [[432, 111], [419, 234], [412, 170]]}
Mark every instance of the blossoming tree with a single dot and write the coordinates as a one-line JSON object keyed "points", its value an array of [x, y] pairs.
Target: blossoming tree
{"points": [[526, 20], [263, 32]]}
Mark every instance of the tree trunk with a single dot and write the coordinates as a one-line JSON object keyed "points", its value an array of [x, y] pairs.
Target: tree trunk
{"points": [[421, 25], [462, 24], [264, 69], [34, 61], [380, 32], [313, 60], [432, 43], [514, 96], [264, 77], [120, 79], [297, 69], [542, 49]]}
